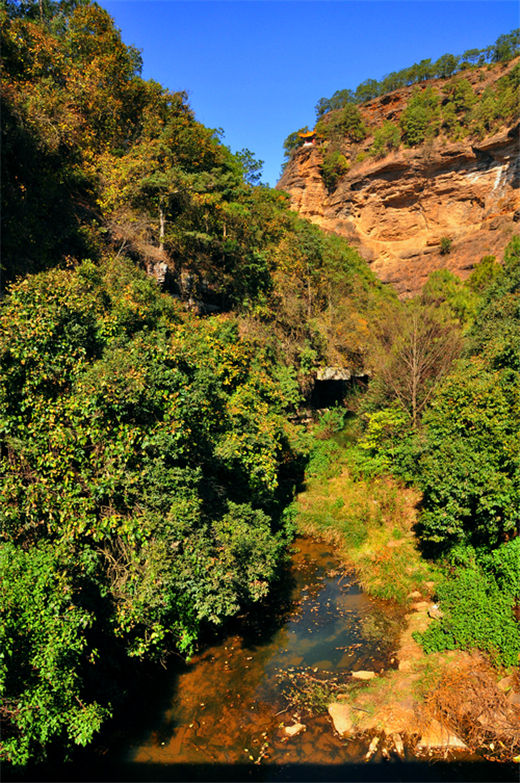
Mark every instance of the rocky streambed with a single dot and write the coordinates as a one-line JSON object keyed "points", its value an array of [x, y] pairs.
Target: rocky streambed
{"points": [[332, 679], [325, 683], [261, 696]]}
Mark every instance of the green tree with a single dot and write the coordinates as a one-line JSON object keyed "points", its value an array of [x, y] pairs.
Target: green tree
{"points": [[506, 47], [496, 332], [454, 298], [474, 57], [446, 66], [334, 165], [251, 166], [293, 141], [420, 119], [472, 427], [141, 462], [48, 655], [366, 91], [386, 139], [346, 122], [484, 274]]}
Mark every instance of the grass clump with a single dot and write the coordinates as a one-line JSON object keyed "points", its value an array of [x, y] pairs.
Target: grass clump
{"points": [[370, 520]]}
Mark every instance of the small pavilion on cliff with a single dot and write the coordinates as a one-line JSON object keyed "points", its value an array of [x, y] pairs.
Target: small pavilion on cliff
{"points": [[308, 137]]}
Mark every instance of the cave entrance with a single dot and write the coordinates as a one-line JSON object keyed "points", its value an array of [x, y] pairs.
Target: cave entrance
{"points": [[327, 394], [333, 385]]}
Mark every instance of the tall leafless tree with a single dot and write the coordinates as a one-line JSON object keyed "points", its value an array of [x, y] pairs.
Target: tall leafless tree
{"points": [[414, 349]]}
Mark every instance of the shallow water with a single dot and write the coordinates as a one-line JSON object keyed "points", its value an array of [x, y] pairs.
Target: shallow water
{"points": [[232, 701], [222, 716]]}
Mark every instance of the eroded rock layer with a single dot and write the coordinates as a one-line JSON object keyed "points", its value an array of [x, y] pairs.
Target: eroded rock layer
{"points": [[397, 209]]}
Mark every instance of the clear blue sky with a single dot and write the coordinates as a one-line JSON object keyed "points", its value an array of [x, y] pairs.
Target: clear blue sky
{"points": [[256, 68]]}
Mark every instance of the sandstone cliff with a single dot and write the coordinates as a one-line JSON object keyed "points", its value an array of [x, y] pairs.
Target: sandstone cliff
{"points": [[397, 208]]}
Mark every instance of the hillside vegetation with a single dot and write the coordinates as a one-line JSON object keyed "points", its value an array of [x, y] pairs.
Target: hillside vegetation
{"points": [[470, 96], [505, 49], [160, 325], [147, 455]]}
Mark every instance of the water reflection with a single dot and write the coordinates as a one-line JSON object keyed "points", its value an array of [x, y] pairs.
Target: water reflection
{"points": [[228, 705], [221, 717]]}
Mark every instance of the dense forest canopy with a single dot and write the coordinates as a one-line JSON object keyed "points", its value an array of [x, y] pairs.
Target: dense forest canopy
{"points": [[147, 454], [161, 322]]}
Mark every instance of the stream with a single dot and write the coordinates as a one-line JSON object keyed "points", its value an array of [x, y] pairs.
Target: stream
{"points": [[232, 702], [222, 716]]}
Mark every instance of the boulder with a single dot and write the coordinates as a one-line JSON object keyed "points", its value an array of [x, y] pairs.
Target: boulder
{"points": [[513, 698], [435, 613], [372, 748], [333, 374], [341, 718], [363, 675], [398, 744], [296, 728], [506, 683]]}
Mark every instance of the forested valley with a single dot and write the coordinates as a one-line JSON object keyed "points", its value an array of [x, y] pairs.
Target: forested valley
{"points": [[163, 319]]}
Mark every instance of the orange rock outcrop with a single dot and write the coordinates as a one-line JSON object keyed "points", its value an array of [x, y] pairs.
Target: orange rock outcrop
{"points": [[397, 209]]}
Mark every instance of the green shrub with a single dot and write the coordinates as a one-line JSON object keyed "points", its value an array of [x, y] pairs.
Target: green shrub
{"points": [[323, 459], [331, 421], [386, 429], [503, 565], [420, 119], [333, 167], [446, 243], [460, 98], [497, 104], [484, 274], [386, 139], [47, 654], [477, 602], [344, 123]]}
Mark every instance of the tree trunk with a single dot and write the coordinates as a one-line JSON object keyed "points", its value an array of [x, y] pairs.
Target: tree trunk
{"points": [[415, 370], [161, 227]]}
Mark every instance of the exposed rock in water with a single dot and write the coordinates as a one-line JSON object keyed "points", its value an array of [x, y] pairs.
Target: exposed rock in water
{"points": [[398, 744], [437, 737], [372, 748], [396, 209], [341, 718], [363, 675], [296, 728]]}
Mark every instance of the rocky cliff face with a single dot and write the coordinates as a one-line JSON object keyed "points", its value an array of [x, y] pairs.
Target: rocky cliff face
{"points": [[397, 209]]}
